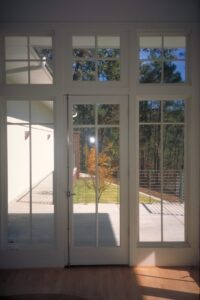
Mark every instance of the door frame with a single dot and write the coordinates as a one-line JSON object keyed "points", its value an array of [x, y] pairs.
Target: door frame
{"points": [[100, 255]]}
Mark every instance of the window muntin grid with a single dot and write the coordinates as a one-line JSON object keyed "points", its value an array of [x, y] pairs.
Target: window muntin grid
{"points": [[30, 171], [161, 171], [96, 58], [28, 60], [162, 59]]}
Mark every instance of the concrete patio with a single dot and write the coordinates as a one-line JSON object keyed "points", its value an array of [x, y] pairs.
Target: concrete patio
{"points": [[85, 218]]}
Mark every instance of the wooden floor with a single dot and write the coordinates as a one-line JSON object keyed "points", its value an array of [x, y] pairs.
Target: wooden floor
{"points": [[104, 283]]}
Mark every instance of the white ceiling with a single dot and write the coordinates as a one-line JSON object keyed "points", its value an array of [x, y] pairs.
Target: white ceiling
{"points": [[99, 10]]}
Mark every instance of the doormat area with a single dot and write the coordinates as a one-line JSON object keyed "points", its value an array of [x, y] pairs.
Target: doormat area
{"points": [[42, 297]]}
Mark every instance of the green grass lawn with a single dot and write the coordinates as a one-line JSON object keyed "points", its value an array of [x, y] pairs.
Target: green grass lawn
{"points": [[86, 195]]}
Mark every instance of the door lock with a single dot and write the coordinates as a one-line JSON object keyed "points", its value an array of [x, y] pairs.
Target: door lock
{"points": [[69, 194]]}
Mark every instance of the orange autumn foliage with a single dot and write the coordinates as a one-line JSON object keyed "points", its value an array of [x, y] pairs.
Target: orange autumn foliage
{"points": [[100, 170]]}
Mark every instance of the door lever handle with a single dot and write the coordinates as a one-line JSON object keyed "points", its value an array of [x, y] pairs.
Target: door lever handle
{"points": [[69, 194]]}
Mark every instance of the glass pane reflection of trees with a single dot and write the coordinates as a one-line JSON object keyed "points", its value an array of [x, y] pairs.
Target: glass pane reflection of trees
{"points": [[96, 179], [161, 171], [162, 59]]}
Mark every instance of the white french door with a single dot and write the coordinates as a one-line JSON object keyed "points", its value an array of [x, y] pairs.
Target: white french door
{"points": [[97, 191]]}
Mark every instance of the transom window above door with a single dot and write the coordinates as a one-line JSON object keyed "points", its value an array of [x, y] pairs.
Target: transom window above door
{"points": [[28, 60], [96, 58], [162, 59]]}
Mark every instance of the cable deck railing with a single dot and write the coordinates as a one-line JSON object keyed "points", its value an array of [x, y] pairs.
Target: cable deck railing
{"points": [[168, 185]]}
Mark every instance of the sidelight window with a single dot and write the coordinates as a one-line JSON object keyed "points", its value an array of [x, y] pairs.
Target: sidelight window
{"points": [[30, 165], [162, 171]]}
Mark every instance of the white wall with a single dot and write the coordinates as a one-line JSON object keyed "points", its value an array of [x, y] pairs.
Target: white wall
{"points": [[18, 162], [19, 158], [96, 10]]}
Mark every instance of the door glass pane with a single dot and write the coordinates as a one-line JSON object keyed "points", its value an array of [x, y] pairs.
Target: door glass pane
{"points": [[149, 183], [150, 111], [108, 114], [96, 179], [108, 187], [84, 182], [83, 114]]}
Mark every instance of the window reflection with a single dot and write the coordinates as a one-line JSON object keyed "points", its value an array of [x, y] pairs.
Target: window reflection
{"points": [[161, 171], [162, 59], [96, 175], [29, 60], [96, 58], [30, 161]]}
